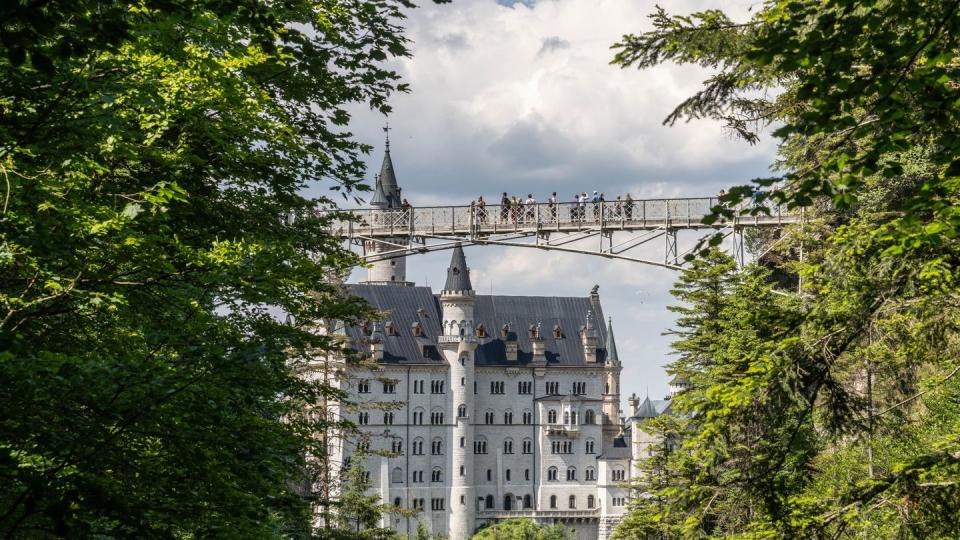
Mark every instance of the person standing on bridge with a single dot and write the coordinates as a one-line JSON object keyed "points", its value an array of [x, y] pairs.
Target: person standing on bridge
{"points": [[618, 208], [481, 211], [628, 207], [596, 206], [582, 207], [504, 207], [552, 206], [515, 209], [531, 205]]}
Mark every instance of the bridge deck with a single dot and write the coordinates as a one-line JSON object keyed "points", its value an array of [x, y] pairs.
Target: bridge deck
{"points": [[641, 215]]}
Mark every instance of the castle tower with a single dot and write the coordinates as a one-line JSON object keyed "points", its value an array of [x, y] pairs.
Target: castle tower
{"points": [[387, 207], [457, 344], [611, 395]]}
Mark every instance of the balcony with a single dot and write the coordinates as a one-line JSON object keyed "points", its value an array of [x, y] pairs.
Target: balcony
{"points": [[456, 339], [569, 430], [539, 514]]}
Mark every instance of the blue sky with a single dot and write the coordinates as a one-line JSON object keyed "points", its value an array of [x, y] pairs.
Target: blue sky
{"points": [[520, 97]]}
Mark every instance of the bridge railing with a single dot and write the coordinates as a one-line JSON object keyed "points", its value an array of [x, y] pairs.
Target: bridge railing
{"points": [[486, 219]]}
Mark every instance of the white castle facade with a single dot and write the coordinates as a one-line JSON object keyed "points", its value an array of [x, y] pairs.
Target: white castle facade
{"points": [[504, 406]]}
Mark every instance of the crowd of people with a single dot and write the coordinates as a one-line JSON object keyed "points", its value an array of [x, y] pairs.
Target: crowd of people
{"points": [[514, 209]]}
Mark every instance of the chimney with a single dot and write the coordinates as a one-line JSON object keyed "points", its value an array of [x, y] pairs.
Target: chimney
{"points": [[588, 338], [634, 402], [509, 342], [537, 345], [376, 342]]}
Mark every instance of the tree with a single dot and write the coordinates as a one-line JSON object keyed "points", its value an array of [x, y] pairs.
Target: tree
{"points": [[357, 513], [521, 529], [148, 153], [829, 415]]}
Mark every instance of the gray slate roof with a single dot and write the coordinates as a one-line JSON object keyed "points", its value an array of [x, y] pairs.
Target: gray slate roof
{"points": [[520, 312], [651, 408], [611, 344], [620, 449], [388, 179], [458, 275]]}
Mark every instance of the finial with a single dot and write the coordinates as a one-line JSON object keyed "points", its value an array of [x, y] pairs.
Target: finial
{"points": [[386, 129]]}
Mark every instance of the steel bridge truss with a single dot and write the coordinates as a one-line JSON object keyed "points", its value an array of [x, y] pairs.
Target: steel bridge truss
{"points": [[614, 230]]}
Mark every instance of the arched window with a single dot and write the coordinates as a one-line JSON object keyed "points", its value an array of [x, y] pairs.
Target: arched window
{"points": [[481, 331], [418, 416], [436, 475], [527, 417], [571, 473], [553, 501], [552, 416], [573, 502], [397, 501], [528, 446], [396, 475], [508, 502], [488, 417], [618, 475], [489, 505], [552, 474], [480, 445], [589, 417], [396, 446], [527, 502], [436, 447], [462, 411], [508, 417], [557, 332], [418, 446], [590, 474], [589, 447], [508, 446], [590, 501]]}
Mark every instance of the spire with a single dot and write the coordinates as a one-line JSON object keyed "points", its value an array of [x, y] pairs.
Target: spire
{"points": [[612, 356], [379, 198], [458, 275], [646, 409], [388, 179]]}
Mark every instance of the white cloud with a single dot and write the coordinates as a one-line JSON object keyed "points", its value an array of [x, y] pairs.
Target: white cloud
{"points": [[522, 98]]}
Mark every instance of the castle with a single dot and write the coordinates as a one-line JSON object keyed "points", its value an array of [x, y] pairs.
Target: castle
{"points": [[509, 405]]}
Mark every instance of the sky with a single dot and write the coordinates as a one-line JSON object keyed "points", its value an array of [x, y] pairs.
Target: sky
{"points": [[520, 97]]}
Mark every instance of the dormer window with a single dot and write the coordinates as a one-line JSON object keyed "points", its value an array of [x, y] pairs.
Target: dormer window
{"points": [[421, 313], [557, 332], [417, 329], [366, 328], [481, 331], [533, 332], [390, 329], [505, 331]]}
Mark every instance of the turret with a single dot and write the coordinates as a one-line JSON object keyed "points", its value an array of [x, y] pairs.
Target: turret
{"points": [[386, 207], [457, 344]]}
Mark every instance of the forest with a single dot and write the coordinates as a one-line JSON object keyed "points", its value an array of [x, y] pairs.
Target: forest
{"points": [[822, 399]]}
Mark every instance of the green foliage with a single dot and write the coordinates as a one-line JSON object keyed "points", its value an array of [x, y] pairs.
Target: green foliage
{"points": [[521, 529], [148, 151], [358, 514], [830, 413]]}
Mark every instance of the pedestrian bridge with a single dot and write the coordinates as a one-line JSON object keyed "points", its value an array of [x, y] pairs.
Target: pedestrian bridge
{"points": [[616, 227]]}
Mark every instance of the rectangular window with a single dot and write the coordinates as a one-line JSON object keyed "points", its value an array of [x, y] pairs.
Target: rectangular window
{"points": [[389, 388], [496, 387], [525, 387], [553, 388], [527, 447], [363, 386], [436, 387], [437, 504]]}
